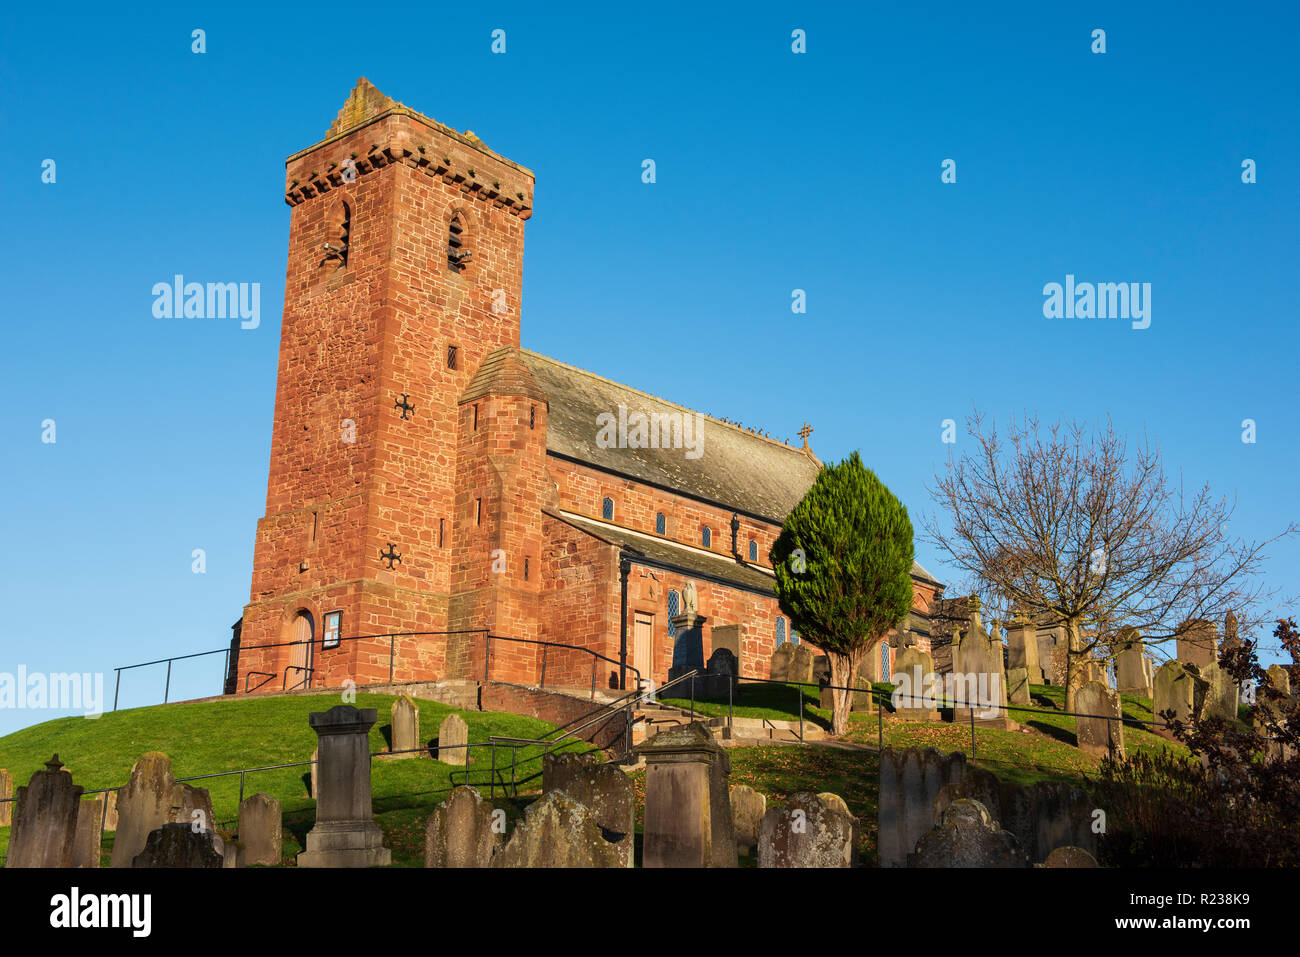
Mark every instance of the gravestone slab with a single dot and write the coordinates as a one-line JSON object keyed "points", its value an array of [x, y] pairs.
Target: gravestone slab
{"points": [[1022, 649], [45, 819], [1018, 686], [453, 735], [557, 831], [1174, 690], [802, 663], [87, 845], [1132, 667], [726, 636], [601, 787], [807, 831], [747, 809], [405, 715], [463, 831], [913, 675], [780, 665], [178, 845], [260, 831], [687, 800], [149, 800], [1198, 643], [1070, 857], [1220, 694], [345, 834], [1103, 734], [967, 836], [910, 780], [6, 791]]}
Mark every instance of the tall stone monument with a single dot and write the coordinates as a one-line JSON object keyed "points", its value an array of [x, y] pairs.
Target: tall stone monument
{"points": [[688, 649], [687, 800], [345, 834]]}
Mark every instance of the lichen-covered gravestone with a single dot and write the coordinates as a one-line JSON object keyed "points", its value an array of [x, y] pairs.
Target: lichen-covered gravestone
{"points": [[967, 836], [45, 822], [601, 787], [1220, 693], [809, 830], [463, 831], [802, 664], [260, 831], [453, 735], [557, 831], [1174, 690], [147, 802], [1070, 857], [747, 809], [1098, 727], [780, 665], [1018, 686], [178, 845]]}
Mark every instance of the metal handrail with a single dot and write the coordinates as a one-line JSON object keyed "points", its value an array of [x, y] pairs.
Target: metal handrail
{"points": [[270, 676], [307, 668]]}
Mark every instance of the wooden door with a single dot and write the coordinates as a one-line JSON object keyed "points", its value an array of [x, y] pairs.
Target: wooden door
{"points": [[643, 645], [301, 634]]}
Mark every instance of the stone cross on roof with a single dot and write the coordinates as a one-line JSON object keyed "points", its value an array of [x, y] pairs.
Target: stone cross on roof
{"points": [[806, 431]]}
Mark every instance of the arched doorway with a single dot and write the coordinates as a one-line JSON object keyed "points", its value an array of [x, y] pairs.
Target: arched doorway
{"points": [[302, 631]]}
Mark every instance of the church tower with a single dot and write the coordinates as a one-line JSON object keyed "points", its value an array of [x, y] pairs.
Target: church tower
{"points": [[404, 272]]}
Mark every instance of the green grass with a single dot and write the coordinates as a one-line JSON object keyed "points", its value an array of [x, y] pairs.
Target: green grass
{"points": [[776, 702], [206, 737]]}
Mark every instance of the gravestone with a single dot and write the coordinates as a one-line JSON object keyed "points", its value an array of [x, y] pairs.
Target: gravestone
{"points": [[110, 815], [910, 701], [980, 679], [195, 809], [87, 846], [345, 834], [719, 674], [1070, 857], [1132, 667], [910, 780], [6, 791], [780, 665], [463, 831], [1174, 690], [1059, 661], [1103, 734], [602, 788], [807, 831], [1279, 678], [260, 831], [821, 668], [149, 800], [1220, 693], [1198, 642], [1022, 648], [406, 727], [747, 809], [801, 665], [726, 636], [558, 831], [453, 735], [687, 800], [45, 819], [179, 845], [967, 836], [1018, 686]]}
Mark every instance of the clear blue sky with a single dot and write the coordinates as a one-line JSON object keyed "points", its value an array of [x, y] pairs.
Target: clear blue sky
{"points": [[776, 171]]}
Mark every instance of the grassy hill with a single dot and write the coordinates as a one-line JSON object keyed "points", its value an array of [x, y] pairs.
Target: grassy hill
{"points": [[207, 737]]}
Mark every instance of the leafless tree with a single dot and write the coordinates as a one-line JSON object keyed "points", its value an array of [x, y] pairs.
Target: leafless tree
{"points": [[1067, 524]]}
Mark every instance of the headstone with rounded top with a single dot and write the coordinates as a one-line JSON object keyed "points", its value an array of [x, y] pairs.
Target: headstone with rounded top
{"points": [[747, 809], [967, 836], [463, 831], [809, 830], [149, 799], [405, 727], [453, 736], [558, 831]]}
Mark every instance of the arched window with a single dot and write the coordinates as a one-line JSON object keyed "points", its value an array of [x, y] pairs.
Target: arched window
{"points": [[458, 254], [707, 537], [780, 632], [884, 661], [753, 550], [339, 228], [661, 524], [674, 608], [607, 509]]}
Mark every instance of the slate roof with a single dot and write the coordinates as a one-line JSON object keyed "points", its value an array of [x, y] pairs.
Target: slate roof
{"points": [[736, 468], [719, 565]]}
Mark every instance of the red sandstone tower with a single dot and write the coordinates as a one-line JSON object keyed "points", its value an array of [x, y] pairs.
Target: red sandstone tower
{"points": [[404, 273]]}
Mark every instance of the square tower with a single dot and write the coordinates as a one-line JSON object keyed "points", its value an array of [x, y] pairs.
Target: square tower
{"points": [[404, 271]]}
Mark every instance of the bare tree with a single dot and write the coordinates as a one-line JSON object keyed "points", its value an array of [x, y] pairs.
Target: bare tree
{"points": [[1066, 523]]}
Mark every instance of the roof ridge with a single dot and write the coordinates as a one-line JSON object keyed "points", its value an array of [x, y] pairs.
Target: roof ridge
{"points": [[650, 395]]}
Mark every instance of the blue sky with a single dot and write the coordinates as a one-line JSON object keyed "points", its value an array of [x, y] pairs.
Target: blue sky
{"points": [[775, 171]]}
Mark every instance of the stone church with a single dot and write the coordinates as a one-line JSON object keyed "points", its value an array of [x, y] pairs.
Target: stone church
{"points": [[444, 504]]}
